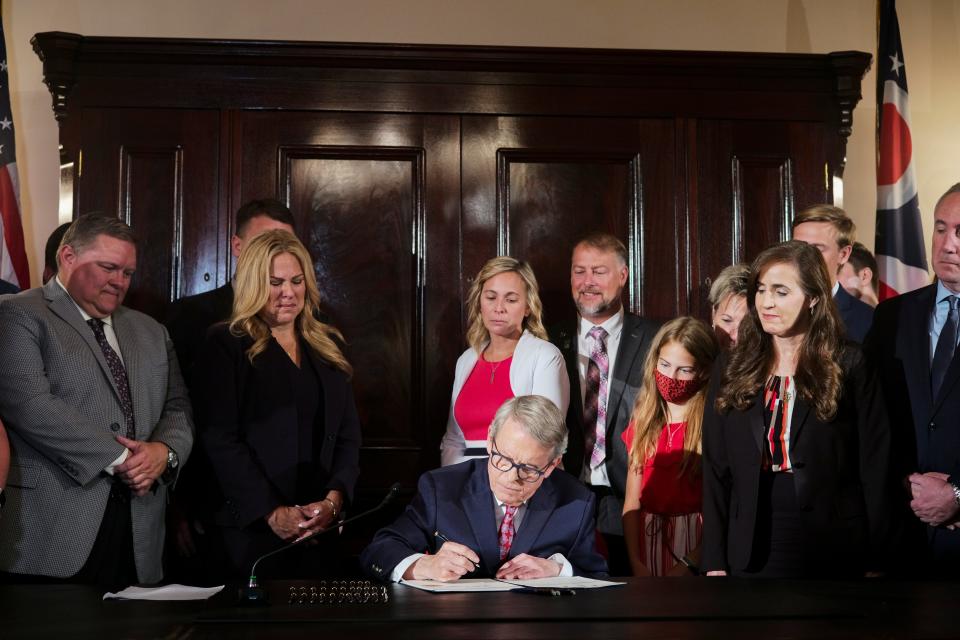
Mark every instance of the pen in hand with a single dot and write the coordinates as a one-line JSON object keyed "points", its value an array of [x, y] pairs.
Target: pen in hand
{"points": [[443, 539]]}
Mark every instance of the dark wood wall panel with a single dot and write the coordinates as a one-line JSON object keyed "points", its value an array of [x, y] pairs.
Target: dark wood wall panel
{"points": [[151, 181]]}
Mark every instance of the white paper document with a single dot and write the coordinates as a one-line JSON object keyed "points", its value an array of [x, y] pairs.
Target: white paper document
{"points": [[486, 584], [167, 592]]}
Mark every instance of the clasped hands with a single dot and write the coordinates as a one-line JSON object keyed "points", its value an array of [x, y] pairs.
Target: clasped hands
{"points": [[933, 500], [453, 560], [146, 462], [297, 522]]}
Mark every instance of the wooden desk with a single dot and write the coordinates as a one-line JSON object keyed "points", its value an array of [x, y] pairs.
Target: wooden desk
{"points": [[645, 608]]}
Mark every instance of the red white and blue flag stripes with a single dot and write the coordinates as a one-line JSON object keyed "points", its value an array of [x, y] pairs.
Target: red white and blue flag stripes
{"points": [[13, 255], [900, 248]]}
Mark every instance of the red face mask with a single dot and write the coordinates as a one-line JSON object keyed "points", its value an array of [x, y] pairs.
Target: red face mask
{"points": [[677, 391]]}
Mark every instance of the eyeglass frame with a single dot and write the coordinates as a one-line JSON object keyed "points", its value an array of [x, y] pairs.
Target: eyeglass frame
{"points": [[538, 473]]}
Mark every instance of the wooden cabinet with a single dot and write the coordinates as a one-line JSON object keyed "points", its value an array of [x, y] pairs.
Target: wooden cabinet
{"points": [[409, 166]]}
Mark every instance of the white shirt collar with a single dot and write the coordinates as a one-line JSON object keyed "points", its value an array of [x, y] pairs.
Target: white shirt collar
{"points": [[83, 314], [836, 287], [612, 325]]}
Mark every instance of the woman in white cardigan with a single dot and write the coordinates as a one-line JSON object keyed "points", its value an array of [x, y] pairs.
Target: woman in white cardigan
{"points": [[508, 356]]}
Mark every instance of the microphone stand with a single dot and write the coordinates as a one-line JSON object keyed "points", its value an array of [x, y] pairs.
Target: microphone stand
{"points": [[253, 593]]}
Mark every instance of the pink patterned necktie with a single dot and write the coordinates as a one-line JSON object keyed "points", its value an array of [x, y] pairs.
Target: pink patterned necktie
{"points": [[507, 531], [595, 398]]}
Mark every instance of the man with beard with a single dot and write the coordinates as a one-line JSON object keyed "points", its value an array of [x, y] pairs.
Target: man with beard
{"points": [[604, 355]]}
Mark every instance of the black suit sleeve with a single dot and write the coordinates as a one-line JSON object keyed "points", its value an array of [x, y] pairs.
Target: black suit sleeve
{"points": [[717, 481], [873, 433], [411, 533]]}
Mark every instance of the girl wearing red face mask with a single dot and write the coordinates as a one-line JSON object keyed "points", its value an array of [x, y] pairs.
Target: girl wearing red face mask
{"points": [[661, 511]]}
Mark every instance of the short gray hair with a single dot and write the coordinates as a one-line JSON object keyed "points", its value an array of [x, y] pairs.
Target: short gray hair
{"points": [[732, 281], [539, 417], [84, 230], [946, 194]]}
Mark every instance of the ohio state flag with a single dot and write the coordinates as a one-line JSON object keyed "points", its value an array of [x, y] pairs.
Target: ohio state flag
{"points": [[900, 248]]}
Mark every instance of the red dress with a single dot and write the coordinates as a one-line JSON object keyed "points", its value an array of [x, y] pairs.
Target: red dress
{"points": [[670, 502]]}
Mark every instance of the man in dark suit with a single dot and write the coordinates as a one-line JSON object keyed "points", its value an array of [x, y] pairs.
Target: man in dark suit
{"points": [[830, 230], [193, 557], [189, 318], [513, 515], [604, 353], [98, 418], [913, 344]]}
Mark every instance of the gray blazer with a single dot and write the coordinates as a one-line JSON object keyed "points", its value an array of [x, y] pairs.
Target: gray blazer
{"points": [[62, 412]]}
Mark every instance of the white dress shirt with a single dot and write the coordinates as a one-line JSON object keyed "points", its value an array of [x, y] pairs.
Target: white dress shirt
{"points": [[614, 328]]}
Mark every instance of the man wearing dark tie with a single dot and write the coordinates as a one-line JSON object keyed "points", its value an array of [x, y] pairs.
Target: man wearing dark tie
{"points": [[98, 419], [604, 355], [513, 515], [832, 232], [913, 343]]}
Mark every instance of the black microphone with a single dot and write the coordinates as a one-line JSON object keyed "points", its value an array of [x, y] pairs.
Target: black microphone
{"points": [[254, 594]]}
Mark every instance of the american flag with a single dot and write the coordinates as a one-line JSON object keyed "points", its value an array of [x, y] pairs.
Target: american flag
{"points": [[13, 255], [900, 248]]}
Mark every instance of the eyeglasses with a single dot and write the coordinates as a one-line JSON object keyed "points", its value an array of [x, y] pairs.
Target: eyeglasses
{"points": [[526, 472]]}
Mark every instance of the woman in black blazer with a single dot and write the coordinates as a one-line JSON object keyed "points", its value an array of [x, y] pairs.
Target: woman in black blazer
{"points": [[276, 414], [796, 443]]}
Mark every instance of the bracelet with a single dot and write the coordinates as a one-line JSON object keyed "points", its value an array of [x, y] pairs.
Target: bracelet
{"points": [[333, 506], [956, 493]]}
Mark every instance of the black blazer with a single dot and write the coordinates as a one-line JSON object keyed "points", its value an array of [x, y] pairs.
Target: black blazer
{"points": [[247, 422], [926, 432], [856, 315], [840, 470], [189, 318], [624, 384]]}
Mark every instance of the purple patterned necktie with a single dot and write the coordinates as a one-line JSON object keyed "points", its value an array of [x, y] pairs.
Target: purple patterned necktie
{"points": [[507, 531], [119, 374], [595, 398]]}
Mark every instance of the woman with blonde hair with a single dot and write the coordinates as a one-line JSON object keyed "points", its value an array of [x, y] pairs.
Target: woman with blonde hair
{"points": [[275, 412], [508, 356], [661, 510], [728, 302]]}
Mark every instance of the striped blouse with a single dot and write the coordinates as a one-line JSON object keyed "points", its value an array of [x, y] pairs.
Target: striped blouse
{"points": [[778, 401]]}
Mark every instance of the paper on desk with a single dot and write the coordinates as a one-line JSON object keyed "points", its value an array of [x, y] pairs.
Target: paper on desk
{"points": [[573, 582], [481, 584], [459, 586], [167, 592]]}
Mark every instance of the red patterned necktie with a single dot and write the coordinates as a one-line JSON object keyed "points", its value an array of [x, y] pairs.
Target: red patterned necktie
{"points": [[119, 374], [507, 531]]}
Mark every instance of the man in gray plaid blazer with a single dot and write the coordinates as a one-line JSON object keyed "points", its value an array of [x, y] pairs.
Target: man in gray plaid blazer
{"points": [[98, 419]]}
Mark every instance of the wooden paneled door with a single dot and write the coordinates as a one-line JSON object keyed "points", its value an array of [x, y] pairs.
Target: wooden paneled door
{"points": [[158, 170], [532, 186]]}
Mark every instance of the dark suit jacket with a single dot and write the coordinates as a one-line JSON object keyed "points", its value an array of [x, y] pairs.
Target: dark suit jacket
{"points": [[188, 320], [457, 501], [856, 314], [247, 421], [926, 429], [624, 385], [840, 470]]}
